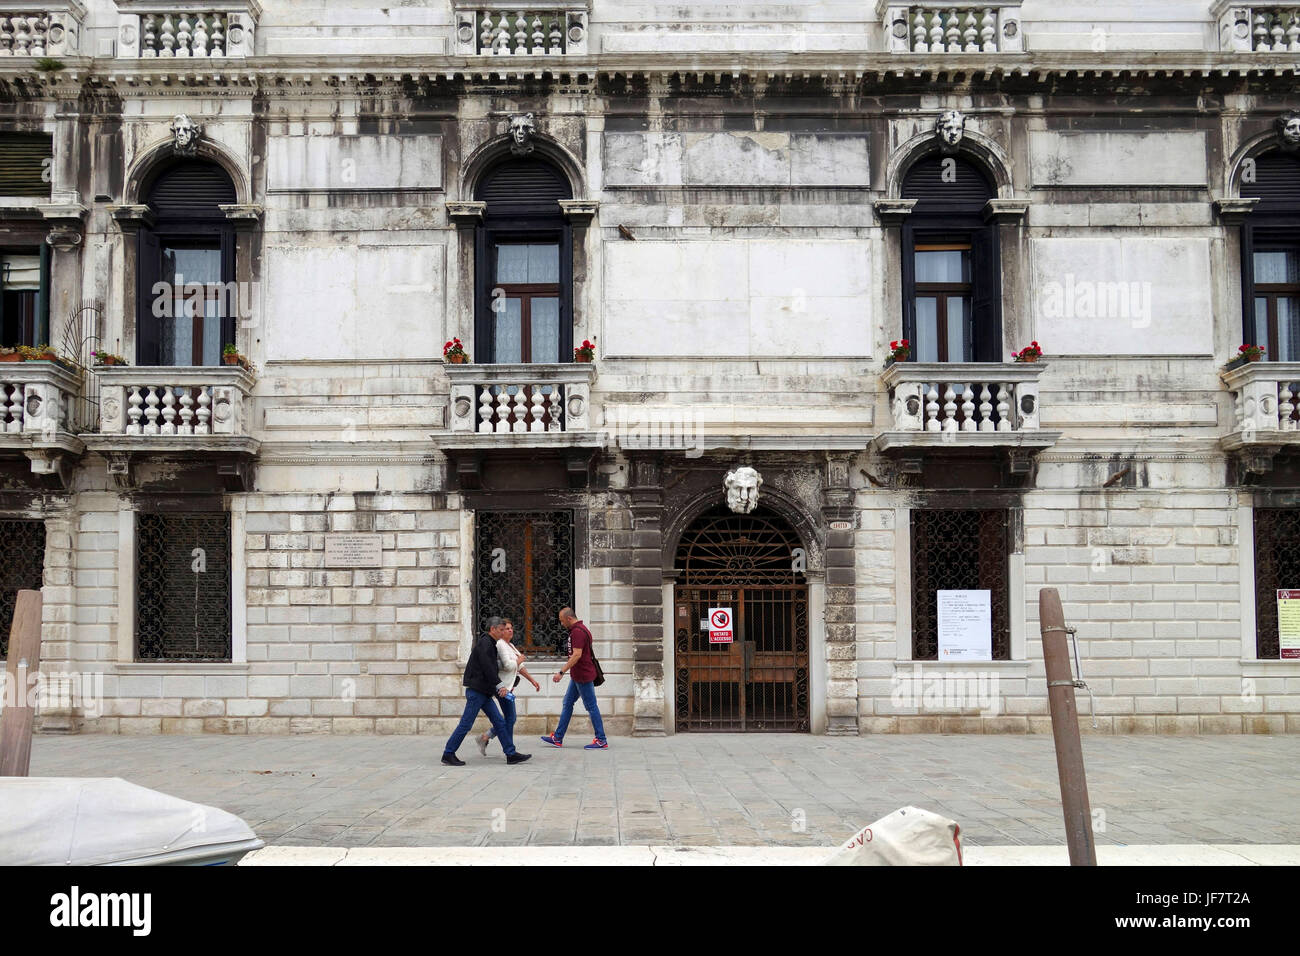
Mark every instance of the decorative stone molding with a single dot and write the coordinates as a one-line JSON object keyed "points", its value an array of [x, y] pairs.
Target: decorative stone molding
{"points": [[148, 29], [1288, 126], [522, 128], [579, 211], [949, 128], [130, 217], [242, 212], [1258, 28], [489, 28], [937, 27], [892, 212], [529, 399], [742, 486], [66, 225], [1006, 211], [1233, 211], [466, 212], [38, 29]]}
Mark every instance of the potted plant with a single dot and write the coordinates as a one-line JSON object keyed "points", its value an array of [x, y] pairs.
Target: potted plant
{"points": [[10, 354], [232, 356], [898, 352], [585, 352], [454, 353], [1030, 353], [38, 353], [102, 357]]}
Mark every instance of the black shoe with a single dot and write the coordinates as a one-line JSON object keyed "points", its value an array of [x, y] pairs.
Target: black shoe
{"points": [[451, 760], [518, 758]]}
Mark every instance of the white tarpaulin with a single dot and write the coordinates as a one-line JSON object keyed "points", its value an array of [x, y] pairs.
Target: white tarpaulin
{"points": [[907, 837], [87, 821]]}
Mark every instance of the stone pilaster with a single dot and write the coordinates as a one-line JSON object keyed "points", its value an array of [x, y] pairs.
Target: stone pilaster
{"points": [[839, 518], [61, 703], [646, 492]]}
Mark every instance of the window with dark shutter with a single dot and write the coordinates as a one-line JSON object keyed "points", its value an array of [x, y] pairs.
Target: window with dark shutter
{"points": [[26, 161], [182, 584], [191, 244], [951, 273], [524, 265], [1270, 244]]}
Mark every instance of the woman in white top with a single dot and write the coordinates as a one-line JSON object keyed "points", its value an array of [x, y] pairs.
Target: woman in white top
{"points": [[510, 667]]}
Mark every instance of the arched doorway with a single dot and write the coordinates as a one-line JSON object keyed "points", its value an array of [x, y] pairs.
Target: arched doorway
{"points": [[750, 565]]}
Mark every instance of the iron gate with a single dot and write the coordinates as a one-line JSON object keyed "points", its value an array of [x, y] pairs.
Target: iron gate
{"points": [[182, 603], [959, 550], [1277, 567], [524, 571], [22, 566], [759, 681]]}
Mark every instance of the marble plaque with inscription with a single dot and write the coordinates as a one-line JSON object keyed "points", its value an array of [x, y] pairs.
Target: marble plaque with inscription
{"points": [[354, 551]]}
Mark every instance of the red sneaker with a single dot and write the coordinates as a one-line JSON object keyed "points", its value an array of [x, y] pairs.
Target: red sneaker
{"points": [[597, 744], [553, 740]]}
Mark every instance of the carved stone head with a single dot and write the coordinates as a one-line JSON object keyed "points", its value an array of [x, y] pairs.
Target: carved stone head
{"points": [[950, 127], [185, 135], [522, 129], [742, 486], [1288, 130]]}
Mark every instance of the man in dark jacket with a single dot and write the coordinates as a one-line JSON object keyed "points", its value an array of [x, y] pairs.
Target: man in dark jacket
{"points": [[481, 689]]}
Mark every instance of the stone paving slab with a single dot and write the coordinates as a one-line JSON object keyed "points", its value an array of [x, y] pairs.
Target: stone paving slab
{"points": [[753, 856], [722, 790]]}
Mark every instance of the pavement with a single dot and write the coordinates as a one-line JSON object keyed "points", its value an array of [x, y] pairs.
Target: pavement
{"points": [[675, 797]]}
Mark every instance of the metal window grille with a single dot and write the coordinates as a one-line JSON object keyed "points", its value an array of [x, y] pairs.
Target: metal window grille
{"points": [[182, 603], [959, 550], [760, 680], [1277, 567], [22, 565], [524, 571]]}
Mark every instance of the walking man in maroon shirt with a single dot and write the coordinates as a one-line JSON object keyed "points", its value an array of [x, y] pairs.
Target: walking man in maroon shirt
{"points": [[581, 666]]}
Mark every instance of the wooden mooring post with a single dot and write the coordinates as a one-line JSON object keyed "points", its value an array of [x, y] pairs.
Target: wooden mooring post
{"points": [[24, 662]]}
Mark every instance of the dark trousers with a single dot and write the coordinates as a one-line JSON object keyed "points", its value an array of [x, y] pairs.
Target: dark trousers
{"points": [[474, 702]]}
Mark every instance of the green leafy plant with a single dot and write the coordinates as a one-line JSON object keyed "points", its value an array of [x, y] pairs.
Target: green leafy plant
{"points": [[47, 64]]}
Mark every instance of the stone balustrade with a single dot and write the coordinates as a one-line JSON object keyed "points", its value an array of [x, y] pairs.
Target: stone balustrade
{"points": [[955, 399], [35, 399], [39, 33], [953, 28], [520, 399], [1266, 401], [175, 402], [554, 30], [1271, 28], [209, 33]]}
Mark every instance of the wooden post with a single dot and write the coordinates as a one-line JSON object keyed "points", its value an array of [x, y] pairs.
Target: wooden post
{"points": [[1065, 730], [24, 662]]}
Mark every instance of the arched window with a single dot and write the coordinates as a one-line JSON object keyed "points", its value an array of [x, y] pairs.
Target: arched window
{"points": [[524, 265], [185, 312], [951, 278], [1270, 245]]}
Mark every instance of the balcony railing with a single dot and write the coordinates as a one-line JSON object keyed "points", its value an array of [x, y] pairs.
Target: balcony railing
{"points": [[953, 27], [520, 399], [1266, 401], [35, 399], [215, 31], [41, 32], [498, 30], [1268, 28], [175, 403], [958, 398]]}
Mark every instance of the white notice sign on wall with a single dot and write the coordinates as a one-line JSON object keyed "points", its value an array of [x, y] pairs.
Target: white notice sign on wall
{"points": [[965, 625], [354, 550]]}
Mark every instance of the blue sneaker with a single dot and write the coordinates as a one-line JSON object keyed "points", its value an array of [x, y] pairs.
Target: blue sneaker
{"points": [[553, 740], [597, 745]]}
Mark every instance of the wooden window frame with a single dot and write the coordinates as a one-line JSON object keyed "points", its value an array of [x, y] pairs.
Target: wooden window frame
{"points": [[941, 292], [1270, 292]]}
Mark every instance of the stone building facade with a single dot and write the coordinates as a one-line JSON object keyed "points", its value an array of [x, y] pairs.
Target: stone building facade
{"points": [[743, 205]]}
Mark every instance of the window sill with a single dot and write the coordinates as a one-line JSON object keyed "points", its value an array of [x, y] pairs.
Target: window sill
{"points": [[1270, 668], [180, 668]]}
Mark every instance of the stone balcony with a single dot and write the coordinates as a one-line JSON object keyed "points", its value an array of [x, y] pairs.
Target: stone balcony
{"points": [[198, 414], [36, 415], [1266, 413], [41, 29], [1258, 28], [952, 27], [213, 30], [963, 409], [521, 410], [505, 29]]}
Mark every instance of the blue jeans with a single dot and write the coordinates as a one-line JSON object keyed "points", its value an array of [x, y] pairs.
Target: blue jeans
{"points": [[474, 702], [511, 713], [588, 693]]}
